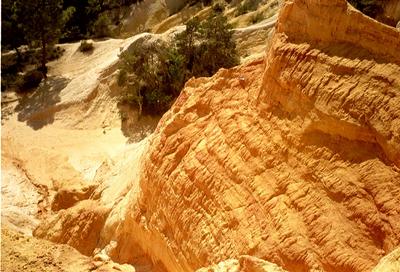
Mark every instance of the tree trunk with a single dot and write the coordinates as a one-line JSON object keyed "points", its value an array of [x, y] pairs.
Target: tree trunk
{"points": [[19, 57], [44, 57], [140, 102]]}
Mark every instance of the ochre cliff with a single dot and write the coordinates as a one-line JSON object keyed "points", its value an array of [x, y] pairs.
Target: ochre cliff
{"points": [[293, 159]]}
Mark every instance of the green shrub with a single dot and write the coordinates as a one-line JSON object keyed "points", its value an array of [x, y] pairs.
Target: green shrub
{"points": [[30, 80], [101, 27], [247, 6], [20, 61], [156, 101], [218, 7], [54, 53], [207, 46], [122, 77], [86, 46], [153, 75], [150, 74], [258, 17]]}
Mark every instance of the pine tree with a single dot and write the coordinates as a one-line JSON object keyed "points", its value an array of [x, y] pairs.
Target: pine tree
{"points": [[11, 31], [42, 22]]}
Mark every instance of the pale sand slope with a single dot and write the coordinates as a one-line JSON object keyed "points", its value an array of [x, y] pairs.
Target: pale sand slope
{"points": [[54, 141]]}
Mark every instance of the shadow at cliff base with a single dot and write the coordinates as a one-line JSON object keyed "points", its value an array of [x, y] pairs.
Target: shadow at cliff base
{"points": [[38, 108], [136, 127]]}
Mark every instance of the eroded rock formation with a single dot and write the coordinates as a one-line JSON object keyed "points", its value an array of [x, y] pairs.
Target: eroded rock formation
{"points": [[294, 159]]}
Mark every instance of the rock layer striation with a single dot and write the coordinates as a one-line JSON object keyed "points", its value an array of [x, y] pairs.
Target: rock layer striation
{"points": [[293, 159]]}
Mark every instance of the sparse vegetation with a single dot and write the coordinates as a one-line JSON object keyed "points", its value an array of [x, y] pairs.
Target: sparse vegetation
{"points": [[256, 18], [14, 64], [54, 53], [247, 6], [101, 27], [147, 73], [91, 14], [218, 7], [153, 75], [207, 46], [30, 80], [42, 23], [80, 19], [86, 46], [21, 82]]}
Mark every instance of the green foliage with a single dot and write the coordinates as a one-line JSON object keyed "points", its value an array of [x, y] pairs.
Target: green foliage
{"points": [[86, 46], [122, 75], [101, 27], [207, 46], [153, 75], [218, 7], [247, 6], [175, 67], [13, 64], [79, 24], [30, 80], [258, 17], [42, 22], [78, 17], [148, 74], [12, 35], [53, 53], [21, 82]]}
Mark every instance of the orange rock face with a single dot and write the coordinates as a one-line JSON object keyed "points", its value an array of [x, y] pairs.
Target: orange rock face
{"points": [[78, 226], [293, 159]]}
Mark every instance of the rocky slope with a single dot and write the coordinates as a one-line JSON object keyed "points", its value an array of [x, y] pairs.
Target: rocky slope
{"points": [[286, 163], [71, 152], [293, 159]]}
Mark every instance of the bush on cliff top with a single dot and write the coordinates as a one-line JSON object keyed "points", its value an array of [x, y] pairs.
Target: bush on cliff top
{"points": [[153, 75]]}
